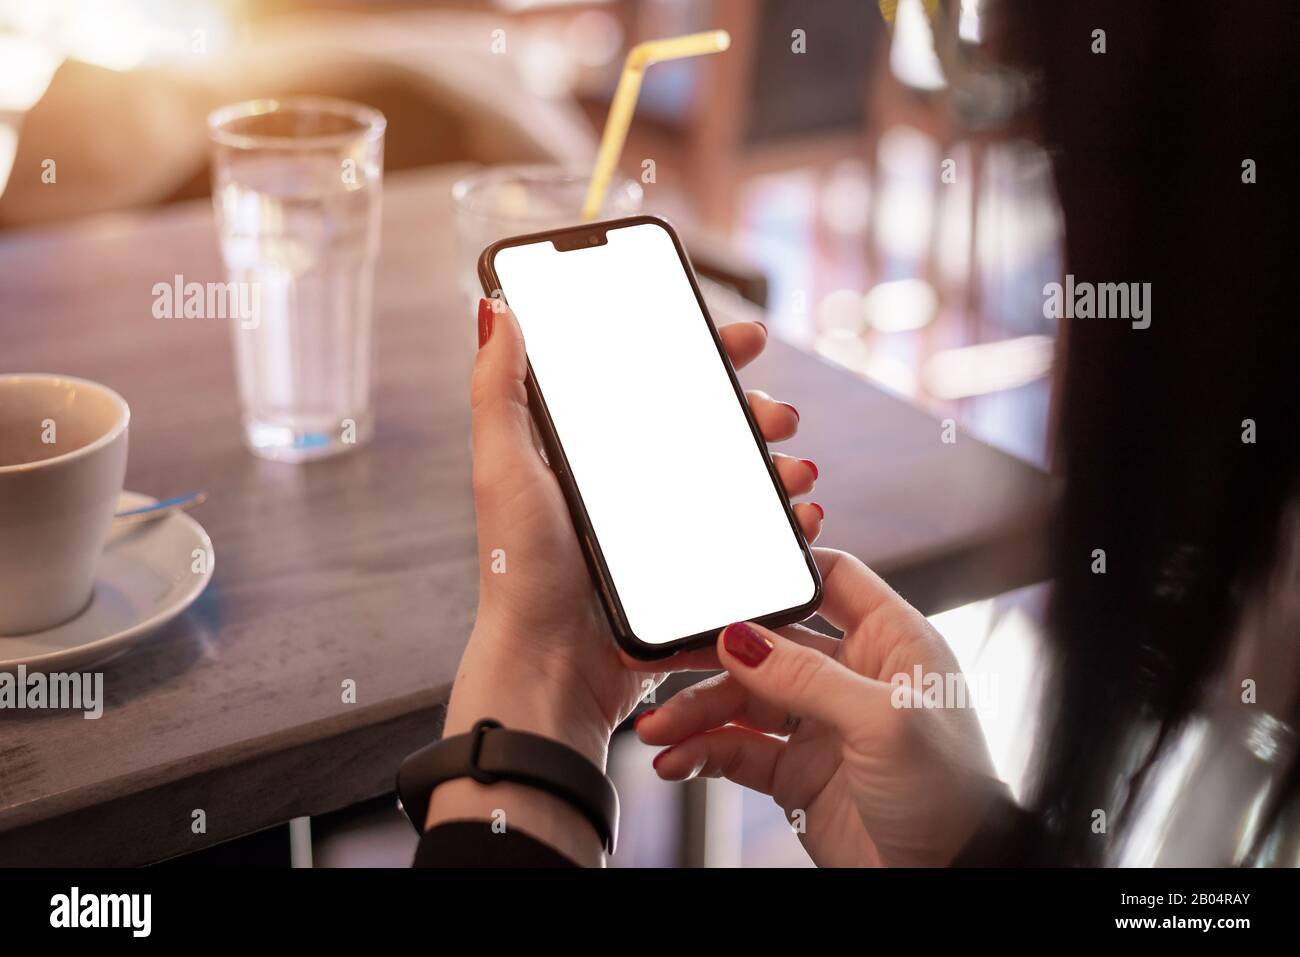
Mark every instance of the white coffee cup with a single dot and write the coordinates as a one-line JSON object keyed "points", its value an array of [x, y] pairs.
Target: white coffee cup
{"points": [[62, 461]]}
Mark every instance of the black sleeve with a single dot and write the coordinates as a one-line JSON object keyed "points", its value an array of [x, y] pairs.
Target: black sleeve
{"points": [[475, 844], [1009, 837]]}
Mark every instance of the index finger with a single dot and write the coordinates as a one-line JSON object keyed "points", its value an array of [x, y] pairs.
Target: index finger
{"points": [[706, 659], [852, 592]]}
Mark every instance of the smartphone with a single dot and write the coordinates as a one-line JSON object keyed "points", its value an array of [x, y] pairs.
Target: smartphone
{"points": [[683, 522]]}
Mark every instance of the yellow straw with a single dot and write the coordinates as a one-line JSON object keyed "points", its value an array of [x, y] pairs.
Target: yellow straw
{"points": [[889, 9], [624, 102]]}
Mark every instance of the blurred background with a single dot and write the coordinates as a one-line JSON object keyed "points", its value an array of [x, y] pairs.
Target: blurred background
{"points": [[878, 192], [889, 210]]}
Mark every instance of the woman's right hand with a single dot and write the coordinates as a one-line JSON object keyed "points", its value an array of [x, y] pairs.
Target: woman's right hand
{"points": [[877, 783]]}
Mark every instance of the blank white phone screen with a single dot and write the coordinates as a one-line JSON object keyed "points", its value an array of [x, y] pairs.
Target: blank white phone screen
{"points": [[684, 510]]}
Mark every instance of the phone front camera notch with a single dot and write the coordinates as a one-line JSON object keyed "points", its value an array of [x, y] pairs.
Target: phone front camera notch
{"points": [[579, 239]]}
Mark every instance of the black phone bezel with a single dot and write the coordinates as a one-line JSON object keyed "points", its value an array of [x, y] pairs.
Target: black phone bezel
{"points": [[586, 235]]}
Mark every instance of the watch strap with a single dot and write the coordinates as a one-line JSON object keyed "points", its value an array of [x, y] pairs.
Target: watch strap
{"points": [[489, 753]]}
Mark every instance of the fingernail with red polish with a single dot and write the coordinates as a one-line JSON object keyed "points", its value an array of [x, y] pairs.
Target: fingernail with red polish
{"points": [[792, 409], [745, 644], [812, 467], [636, 722], [486, 319], [659, 757], [821, 512]]}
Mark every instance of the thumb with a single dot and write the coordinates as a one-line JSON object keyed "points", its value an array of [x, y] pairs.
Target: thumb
{"points": [[501, 428], [805, 682]]}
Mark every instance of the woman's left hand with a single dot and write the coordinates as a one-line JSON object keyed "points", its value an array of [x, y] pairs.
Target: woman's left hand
{"points": [[541, 657]]}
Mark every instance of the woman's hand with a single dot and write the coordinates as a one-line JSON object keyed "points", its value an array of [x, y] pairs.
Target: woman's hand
{"points": [[541, 657], [879, 779]]}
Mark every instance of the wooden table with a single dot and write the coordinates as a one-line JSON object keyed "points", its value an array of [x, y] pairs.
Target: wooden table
{"points": [[363, 567]]}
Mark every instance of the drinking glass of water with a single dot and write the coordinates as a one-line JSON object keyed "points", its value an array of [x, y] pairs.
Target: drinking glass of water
{"points": [[296, 184]]}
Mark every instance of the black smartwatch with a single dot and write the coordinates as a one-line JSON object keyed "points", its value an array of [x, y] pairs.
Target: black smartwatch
{"points": [[489, 753]]}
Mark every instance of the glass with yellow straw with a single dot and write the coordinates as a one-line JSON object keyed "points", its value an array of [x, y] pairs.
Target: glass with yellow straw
{"points": [[621, 108], [506, 201]]}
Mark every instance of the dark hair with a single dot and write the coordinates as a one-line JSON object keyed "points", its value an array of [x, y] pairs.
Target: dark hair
{"points": [[1150, 143]]}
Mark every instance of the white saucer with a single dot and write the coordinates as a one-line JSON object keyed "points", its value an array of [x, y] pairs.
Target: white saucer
{"points": [[143, 581]]}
